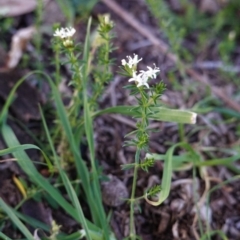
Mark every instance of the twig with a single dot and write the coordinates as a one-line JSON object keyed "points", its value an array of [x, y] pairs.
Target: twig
{"points": [[163, 47], [216, 65], [123, 120]]}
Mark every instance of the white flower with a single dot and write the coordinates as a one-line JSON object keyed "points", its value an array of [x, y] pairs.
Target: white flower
{"points": [[64, 32], [124, 62], [142, 78], [151, 73], [131, 61], [139, 79]]}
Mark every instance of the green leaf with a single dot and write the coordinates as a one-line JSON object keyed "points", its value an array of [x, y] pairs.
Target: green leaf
{"points": [[99, 216], [159, 114], [167, 172], [16, 220], [172, 115], [26, 164], [5, 237]]}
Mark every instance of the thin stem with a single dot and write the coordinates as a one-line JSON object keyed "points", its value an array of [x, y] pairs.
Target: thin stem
{"points": [[181, 132], [75, 104], [132, 200], [57, 63], [144, 124]]}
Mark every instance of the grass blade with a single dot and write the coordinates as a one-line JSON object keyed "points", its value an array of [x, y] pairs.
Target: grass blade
{"points": [[77, 205], [16, 220], [100, 215], [26, 164], [67, 184], [167, 172], [5, 237]]}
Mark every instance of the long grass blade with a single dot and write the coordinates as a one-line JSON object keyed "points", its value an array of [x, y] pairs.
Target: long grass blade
{"points": [[167, 172], [5, 237], [77, 205], [32, 221], [26, 147], [26, 164], [10, 98], [67, 184], [100, 213], [178, 160], [18, 148], [16, 220]]}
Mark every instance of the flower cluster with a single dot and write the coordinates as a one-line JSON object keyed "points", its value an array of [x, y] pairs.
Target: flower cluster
{"points": [[132, 62], [141, 78], [66, 35], [64, 32]]}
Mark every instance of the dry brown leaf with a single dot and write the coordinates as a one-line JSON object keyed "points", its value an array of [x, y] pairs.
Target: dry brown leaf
{"points": [[18, 44]]}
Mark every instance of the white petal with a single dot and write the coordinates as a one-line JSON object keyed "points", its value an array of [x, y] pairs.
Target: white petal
{"points": [[124, 62], [64, 33]]}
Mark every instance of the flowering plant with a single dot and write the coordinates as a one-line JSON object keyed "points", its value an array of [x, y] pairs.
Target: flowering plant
{"points": [[66, 35], [147, 96], [90, 69]]}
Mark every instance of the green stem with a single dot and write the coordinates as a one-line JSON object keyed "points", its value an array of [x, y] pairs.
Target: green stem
{"points": [[76, 99], [181, 132], [57, 63], [132, 199], [144, 123]]}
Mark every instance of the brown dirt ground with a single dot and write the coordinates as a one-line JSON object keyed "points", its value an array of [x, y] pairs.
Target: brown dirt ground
{"points": [[177, 218]]}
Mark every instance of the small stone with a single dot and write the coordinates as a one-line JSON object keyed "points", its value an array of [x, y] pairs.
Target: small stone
{"points": [[114, 192]]}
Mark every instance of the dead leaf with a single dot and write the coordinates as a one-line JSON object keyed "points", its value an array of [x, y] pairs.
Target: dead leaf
{"points": [[18, 44]]}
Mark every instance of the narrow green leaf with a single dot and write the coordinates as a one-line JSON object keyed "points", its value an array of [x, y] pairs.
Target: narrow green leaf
{"points": [[16, 220], [10, 98], [227, 111], [26, 164], [77, 205], [213, 233], [5, 237], [32, 221], [167, 172], [67, 184], [97, 203], [25, 147], [18, 148], [188, 158], [159, 113]]}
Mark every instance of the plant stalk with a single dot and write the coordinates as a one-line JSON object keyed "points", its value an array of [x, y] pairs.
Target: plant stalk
{"points": [[132, 234]]}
